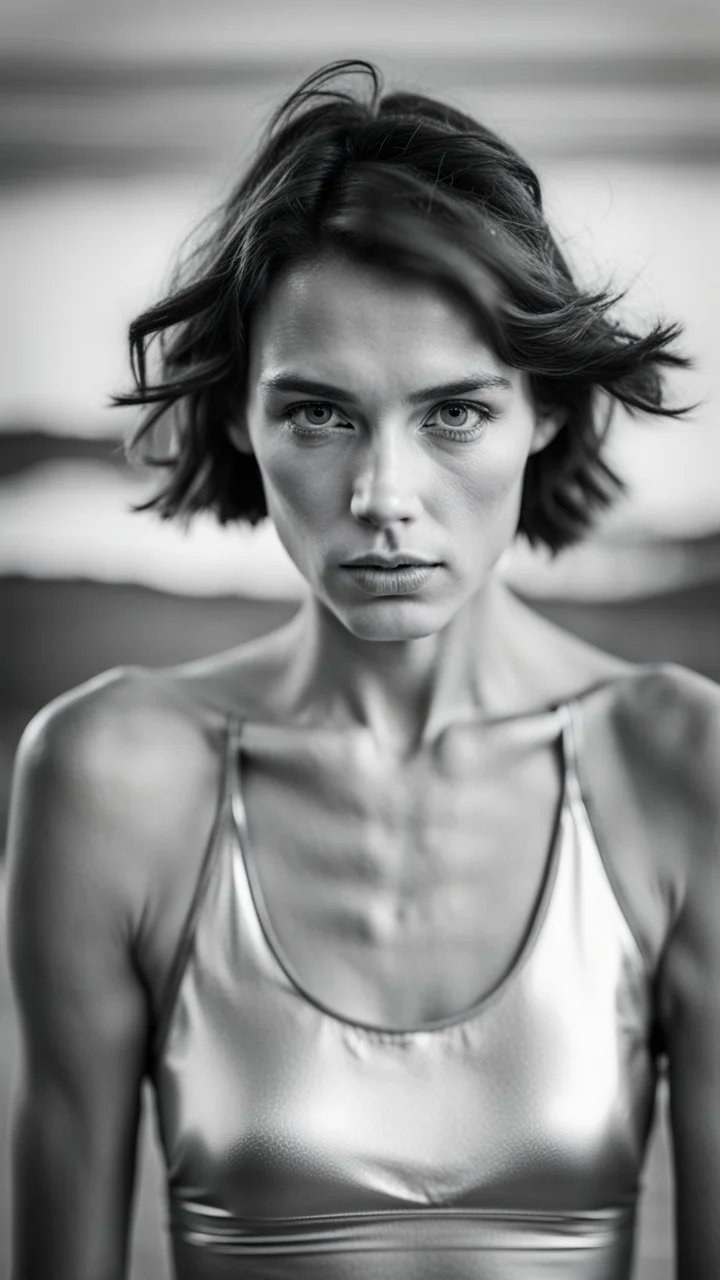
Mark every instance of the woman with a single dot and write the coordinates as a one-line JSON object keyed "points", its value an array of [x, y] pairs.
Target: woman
{"points": [[401, 906]]}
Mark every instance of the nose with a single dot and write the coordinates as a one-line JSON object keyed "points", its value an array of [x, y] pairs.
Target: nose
{"points": [[384, 492]]}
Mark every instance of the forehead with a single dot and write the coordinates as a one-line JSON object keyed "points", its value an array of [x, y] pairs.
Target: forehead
{"points": [[333, 312]]}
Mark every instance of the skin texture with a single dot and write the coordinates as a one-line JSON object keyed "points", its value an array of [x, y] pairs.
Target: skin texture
{"points": [[389, 472], [432, 705]]}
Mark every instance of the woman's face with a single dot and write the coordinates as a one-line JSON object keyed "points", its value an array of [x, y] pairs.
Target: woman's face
{"points": [[384, 428]]}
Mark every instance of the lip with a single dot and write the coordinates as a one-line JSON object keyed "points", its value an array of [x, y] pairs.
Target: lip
{"points": [[399, 559], [402, 580]]}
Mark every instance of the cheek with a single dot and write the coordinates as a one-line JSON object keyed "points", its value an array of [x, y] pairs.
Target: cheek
{"points": [[286, 483], [304, 495], [491, 482]]}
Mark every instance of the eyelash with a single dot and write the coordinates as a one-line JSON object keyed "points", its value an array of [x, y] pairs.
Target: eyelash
{"points": [[484, 414]]}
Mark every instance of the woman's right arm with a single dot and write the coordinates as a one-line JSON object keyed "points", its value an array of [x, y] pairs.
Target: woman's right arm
{"points": [[74, 900]]}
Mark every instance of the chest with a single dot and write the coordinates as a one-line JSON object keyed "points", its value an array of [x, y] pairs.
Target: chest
{"points": [[400, 901], [398, 894]]}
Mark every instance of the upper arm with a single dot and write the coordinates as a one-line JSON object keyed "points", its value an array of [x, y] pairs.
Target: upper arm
{"points": [[651, 763], [689, 996], [73, 900]]}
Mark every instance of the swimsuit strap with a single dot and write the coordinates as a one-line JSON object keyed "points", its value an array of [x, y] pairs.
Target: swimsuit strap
{"points": [[571, 745], [209, 859]]}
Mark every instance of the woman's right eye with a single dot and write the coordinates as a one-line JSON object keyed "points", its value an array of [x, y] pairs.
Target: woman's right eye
{"points": [[312, 416]]}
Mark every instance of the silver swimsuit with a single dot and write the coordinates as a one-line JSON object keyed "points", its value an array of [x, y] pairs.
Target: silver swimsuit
{"points": [[502, 1144]]}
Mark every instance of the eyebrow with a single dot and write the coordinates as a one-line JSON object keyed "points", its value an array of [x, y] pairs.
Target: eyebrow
{"points": [[462, 386]]}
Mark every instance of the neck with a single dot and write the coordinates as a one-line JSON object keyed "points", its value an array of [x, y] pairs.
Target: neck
{"points": [[406, 693]]}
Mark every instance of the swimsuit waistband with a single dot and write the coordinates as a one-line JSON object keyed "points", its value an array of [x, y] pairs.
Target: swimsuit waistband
{"points": [[399, 1230]]}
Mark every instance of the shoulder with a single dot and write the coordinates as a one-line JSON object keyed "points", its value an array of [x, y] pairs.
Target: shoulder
{"points": [[670, 695], [651, 756], [664, 722], [105, 777], [127, 724]]}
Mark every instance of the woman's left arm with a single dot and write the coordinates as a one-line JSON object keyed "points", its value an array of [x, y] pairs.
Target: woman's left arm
{"points": [[689, 1006]]}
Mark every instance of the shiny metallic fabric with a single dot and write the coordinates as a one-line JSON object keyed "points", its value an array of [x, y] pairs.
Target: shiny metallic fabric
{"points": [[502, 1144]]}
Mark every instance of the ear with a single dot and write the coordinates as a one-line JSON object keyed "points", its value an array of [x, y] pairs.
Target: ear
{"points": [[239, 436], [547, 424]]}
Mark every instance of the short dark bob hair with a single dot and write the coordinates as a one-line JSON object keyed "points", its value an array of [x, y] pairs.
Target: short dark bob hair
{"points": [[414, 186]]}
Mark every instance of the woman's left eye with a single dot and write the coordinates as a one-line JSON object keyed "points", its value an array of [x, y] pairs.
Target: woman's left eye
{"points": [[463, 417]]}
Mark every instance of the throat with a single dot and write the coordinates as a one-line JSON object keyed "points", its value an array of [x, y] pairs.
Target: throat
{"points": [[404, 694]]}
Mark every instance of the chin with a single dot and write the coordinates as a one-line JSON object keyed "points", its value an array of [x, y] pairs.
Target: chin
{"points": [[393, 619]]}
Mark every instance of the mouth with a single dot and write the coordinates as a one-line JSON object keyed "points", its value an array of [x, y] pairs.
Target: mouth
{"points": [[401, 560], [399, 576]]}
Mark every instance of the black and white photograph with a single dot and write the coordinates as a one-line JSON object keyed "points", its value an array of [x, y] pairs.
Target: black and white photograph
{"points": [[359, 640]]}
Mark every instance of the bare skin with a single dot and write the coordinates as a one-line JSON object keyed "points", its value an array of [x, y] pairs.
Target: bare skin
{"points": [[399, 730]]}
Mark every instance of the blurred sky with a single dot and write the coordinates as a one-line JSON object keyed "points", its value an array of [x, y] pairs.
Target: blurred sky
{"points": [[121, 124], [171, 27]]}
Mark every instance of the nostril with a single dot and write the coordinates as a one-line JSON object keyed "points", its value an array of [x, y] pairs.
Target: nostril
{"points": [[383, 503]]}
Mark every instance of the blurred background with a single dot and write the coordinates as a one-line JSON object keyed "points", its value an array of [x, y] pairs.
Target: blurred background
{"points": [[120, 125]]}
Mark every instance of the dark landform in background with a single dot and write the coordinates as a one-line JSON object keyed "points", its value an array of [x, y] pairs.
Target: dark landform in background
{"points": [[56, 634], [30, 446]]}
